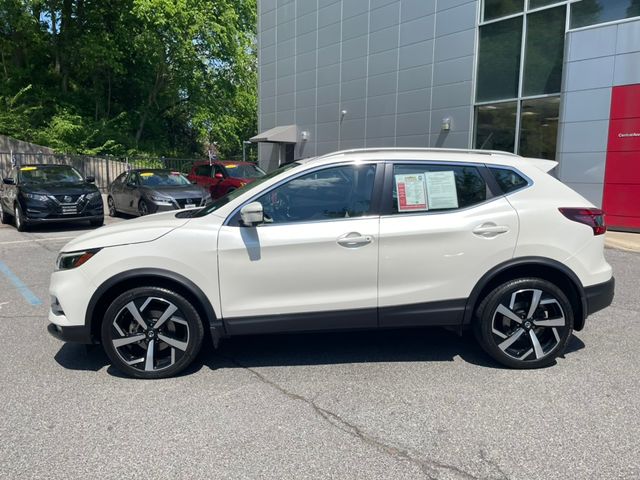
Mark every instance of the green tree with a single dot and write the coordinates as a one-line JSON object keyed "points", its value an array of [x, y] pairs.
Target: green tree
{"points": [[162, 77]]}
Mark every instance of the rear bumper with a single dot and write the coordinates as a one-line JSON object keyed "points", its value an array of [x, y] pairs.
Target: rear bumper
{"points": [[599, 296]]}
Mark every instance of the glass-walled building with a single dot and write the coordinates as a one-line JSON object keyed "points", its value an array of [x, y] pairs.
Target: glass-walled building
{"points": [[541, 78]]}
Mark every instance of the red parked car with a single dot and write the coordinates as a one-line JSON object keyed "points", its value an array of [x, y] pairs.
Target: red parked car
{"points": [[221, 178]]}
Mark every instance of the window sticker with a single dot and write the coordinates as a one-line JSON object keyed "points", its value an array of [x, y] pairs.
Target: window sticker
{"points": [[231, 166], [412, 194], [146, 174], [441, 189], [28, 169]]}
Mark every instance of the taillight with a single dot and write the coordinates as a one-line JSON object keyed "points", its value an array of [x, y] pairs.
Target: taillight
{"points": [[593, 217]]}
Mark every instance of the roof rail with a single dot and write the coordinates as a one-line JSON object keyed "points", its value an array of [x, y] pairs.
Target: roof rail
{"points": [[417, 150]]}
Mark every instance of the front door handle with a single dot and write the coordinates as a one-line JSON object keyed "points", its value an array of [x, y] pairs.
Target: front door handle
{"points": [[354, 240], [490, 230]]}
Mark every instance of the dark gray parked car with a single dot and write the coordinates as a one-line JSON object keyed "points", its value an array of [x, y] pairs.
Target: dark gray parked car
{"points": [[145, 191]]}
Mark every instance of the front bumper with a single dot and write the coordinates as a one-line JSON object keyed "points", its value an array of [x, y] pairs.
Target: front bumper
{"points": [[599, 296], [50, 211], [76, 334]]}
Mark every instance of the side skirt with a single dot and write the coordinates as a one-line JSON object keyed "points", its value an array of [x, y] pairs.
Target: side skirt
{"points": [[442, 313]]}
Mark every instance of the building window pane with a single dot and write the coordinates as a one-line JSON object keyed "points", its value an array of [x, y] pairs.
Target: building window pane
{"points": [[541, 3], [592, 12], [544, 51], [500, 8], [496, 126], [499, 60], [539, 127]]}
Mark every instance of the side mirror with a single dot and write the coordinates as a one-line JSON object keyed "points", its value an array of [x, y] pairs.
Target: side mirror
{"points": [[252, 214], [219, 176], [8, 181], [90, 179]]}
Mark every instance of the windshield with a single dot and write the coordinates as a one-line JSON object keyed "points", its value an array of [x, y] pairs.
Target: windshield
{"points": [[246, 170], [216, 204], [49, 174], [161, 178]]}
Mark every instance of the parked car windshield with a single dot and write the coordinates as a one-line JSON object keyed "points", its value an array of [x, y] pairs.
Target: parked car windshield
{"points": [[49, 174], [246, 170], [161, 178], [216, 204]]}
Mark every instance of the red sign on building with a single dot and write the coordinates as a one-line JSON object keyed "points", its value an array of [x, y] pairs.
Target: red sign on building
{"points": [[621, 201]]}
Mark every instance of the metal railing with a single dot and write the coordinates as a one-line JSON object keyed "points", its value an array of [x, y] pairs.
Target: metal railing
{"points": [[104, 169]]}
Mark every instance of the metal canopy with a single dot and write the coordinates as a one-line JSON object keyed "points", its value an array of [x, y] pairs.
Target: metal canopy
{"points": [[282, 134]]}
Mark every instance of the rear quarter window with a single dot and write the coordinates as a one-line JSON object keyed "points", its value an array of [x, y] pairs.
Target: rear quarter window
{"points": [[508, 180]]}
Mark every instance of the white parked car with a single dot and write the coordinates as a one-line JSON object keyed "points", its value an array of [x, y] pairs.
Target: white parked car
{"points": [[359, 239]]}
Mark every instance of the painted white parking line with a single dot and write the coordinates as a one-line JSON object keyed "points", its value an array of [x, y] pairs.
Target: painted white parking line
{"points": [[37, 240]]}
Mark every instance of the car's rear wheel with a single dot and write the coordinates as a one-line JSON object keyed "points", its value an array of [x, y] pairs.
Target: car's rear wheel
{"points": [[525, 323], [20, 221], [111, 204], [143, 208], [151, 332]]}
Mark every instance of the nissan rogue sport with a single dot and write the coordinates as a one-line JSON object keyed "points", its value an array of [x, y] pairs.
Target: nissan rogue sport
{"points": [[359, 239]]}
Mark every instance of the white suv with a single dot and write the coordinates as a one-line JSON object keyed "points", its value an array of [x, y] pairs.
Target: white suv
{"points": [[357, 239]]}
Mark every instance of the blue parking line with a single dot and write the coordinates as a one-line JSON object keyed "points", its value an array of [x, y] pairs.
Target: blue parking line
{"points": [[28, 295]]}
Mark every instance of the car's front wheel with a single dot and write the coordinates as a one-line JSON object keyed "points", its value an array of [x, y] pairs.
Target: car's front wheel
{"points": [[525, 323], [143, 208], [151, 332], [4, 217], [18, 215], [111, 204]]}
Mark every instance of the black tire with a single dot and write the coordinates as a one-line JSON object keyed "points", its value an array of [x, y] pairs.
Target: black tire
{"points": [[143, 208], [98, 222], [165, 347], [519, 335], [19, 219], [111, 205], [5, 218]]}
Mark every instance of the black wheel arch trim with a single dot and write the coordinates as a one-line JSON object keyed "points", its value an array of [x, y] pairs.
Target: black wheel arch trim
{"points": [[501, 268], [216, 326]]}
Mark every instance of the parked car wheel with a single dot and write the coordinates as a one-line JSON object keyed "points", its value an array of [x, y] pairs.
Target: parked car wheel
{"points": [[151, 332], [143, 208], [5, 218], [111, 204], [21, 223], [525, 323]]}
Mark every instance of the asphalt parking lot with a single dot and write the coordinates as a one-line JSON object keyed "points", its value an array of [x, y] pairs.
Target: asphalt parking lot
{"points": [[406, 404]]}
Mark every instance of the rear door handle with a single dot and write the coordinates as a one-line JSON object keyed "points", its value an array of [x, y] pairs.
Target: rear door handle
{"points": [[490, 230], [354, 240]]}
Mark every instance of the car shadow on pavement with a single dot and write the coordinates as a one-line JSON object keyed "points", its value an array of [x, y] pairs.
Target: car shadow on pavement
{"points": [[379, 346], [376, 346]]}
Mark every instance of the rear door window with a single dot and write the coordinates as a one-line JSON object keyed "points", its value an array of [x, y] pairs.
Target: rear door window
{"points": [[430, 187]]}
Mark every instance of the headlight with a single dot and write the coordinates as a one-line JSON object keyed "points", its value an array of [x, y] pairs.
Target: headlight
{"points": [[36, 196], [92, 195], [161, 199], [67, 261]]}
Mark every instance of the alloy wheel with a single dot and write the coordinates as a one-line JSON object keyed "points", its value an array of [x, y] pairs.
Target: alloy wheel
{"points": [[528, 324], [17, 215], [150, 334], [112, 207], [143, 209]]}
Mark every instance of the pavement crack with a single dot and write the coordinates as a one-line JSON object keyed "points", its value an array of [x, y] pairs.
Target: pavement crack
{"points": [[430, 468], [494, 464]]}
